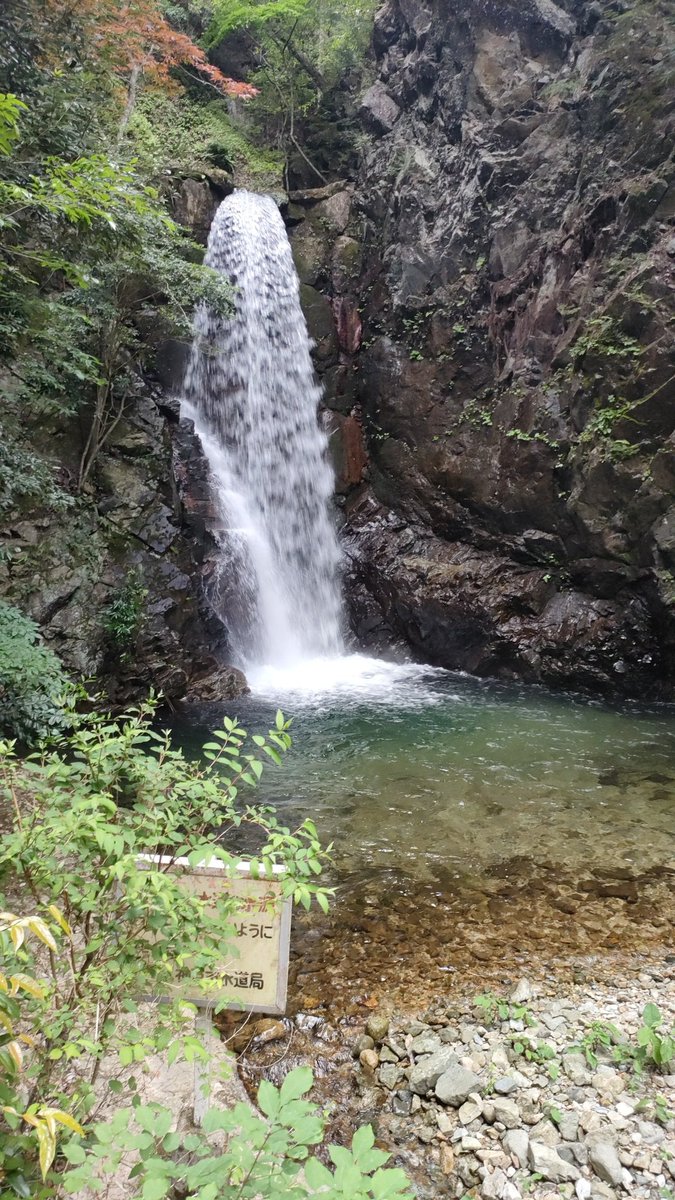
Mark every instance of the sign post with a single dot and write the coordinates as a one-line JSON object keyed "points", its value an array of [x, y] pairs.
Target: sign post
{"points": [[256, 978]]}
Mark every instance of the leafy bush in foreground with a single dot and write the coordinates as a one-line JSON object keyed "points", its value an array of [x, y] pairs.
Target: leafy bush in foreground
{"points": [[32, 679], [108, 927]]}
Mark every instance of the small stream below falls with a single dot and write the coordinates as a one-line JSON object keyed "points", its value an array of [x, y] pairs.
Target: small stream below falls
{"points": [[472, 821]]}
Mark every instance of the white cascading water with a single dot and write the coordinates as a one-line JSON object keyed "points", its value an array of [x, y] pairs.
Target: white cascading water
{"points": [[251, 392]]}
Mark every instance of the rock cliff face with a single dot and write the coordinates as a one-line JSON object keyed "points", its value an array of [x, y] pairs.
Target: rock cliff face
{"points": [[501, 361]]}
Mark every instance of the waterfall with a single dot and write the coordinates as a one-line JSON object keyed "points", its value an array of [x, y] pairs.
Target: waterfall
{"points": [[251, 392]]}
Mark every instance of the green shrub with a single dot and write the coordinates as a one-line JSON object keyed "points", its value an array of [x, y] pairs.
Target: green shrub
{"points": [[266, 1157], [655, 1044], [106, 928], [122, 619], [32, 680]]}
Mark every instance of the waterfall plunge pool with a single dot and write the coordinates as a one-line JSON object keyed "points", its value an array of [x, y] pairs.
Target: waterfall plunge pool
{"points": [[473, 822]]}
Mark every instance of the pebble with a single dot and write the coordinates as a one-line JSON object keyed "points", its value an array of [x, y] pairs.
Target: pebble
{"points": [[510, 1191], [580, 1131], [443, 1121], [426, 1043], [428, 1070], [507, 1112], [447, 1159], [389, 1075], [470, 1143], [369, 1059], [574, 1066], [377, 1026], [505, 1085], [401, 1103], [470, 1110], [568, 1126], [515, 1142], [522, 992]]}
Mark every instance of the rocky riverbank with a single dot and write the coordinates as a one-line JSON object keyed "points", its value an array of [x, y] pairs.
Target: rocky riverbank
{"points": [[528, 1094], [531, 1091]]}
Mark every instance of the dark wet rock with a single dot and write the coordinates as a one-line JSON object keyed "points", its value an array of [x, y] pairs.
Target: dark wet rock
{"points": [[221, 683], [379, 109], [503, 523], [194, 199]]}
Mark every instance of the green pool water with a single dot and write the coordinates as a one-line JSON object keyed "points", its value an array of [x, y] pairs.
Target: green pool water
{"points": [[410, 771]]}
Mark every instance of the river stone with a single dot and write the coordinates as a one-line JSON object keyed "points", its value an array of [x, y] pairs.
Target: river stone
{"points": [[522, 992], [574, 1066], [546, 1161], [493, 1185], [368, 1059], [426, 1043], [455, 1084], [401, 1103], [607, 1082], [605, 1162], [506, 1111], [471, 1109], [582, 1188], [377, 1026], [569, 1126], [510, 1191], [515, 1143], [388, 1056], [389, 1075], [567, 1151], [426, 1073], [505, 1085]]}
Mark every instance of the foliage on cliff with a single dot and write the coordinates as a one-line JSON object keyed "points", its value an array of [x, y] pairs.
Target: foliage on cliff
{"points": [[306, 60], [88, 243]]}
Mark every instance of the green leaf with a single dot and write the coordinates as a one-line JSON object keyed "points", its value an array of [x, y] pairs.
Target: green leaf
{"points": [[363, 1140], [269, 1100], [317, 1175], [651, 1015], [296, 1084], [156, 1187]]}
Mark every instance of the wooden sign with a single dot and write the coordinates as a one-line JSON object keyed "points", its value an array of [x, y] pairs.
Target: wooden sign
{"points": [[255, 979]]}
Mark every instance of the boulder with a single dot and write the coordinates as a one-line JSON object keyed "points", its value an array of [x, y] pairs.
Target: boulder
{"points": [[378, 109]]}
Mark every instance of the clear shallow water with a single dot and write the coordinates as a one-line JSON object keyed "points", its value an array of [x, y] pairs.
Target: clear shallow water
{"points": [[420, 773]]}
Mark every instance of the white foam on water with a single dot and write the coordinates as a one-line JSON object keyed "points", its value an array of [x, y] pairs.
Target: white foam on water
{"points": [[325, 682]]}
